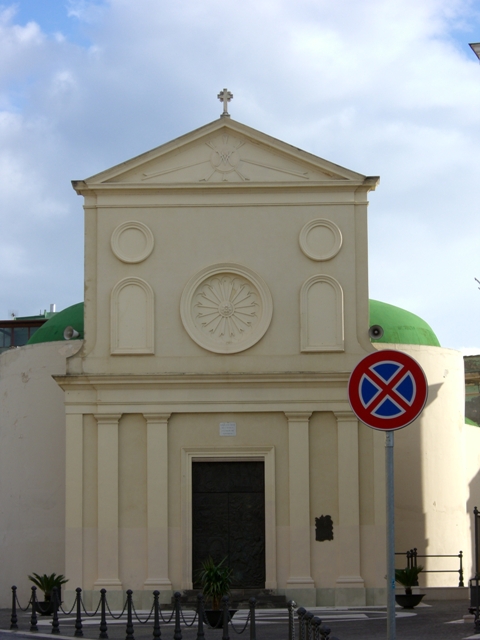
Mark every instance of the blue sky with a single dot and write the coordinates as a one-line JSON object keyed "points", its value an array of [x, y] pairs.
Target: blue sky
{"points": [[59, 16], [381, 87]]}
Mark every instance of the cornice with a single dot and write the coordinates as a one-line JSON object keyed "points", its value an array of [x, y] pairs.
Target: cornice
{"points": [[217, 380], [82, 188]]}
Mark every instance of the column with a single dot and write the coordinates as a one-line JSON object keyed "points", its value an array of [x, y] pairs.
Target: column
{"points": [[74, 500], [299, 501], [107, 558], [348, 531], [157, 502]]}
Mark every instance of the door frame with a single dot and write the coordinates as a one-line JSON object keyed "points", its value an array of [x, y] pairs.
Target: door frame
{"points": [[229, 454]]}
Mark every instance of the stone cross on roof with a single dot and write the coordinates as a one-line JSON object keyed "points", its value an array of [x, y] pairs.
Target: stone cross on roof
{"points": [[225, 96]]}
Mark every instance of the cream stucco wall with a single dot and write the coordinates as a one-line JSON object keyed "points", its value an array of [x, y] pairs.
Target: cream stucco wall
{"points": [[431, 474], [32, 465]]}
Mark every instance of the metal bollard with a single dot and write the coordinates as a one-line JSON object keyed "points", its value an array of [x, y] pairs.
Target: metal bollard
{"points": [[177, 634], [225, 618], [103, 614], [308, 624], [13, 617], [55, 622], [291, 619], [200, 614], [316, 627], [156, 615], [129, 629], [33, 618], [253, 630], [78, 620], [301, 622]]}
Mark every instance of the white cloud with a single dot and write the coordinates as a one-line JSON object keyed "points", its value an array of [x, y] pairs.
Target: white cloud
{"points": [[381, 87]]}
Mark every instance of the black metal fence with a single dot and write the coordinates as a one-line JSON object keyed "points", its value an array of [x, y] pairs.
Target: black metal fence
{"points": [[412, 556], [309, 626], [474, 582]]}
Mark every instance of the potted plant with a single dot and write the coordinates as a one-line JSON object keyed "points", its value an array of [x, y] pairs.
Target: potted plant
{"points": [[408, 578], [46, 584], [215, 579]]}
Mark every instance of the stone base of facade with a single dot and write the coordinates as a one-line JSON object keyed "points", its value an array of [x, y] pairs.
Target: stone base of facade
{"points": [[326, 597], [143, 599]]}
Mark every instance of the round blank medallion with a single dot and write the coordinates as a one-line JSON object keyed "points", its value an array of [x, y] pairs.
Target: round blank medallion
{"points": [[132, 242], [320, 239], [226, 308]]}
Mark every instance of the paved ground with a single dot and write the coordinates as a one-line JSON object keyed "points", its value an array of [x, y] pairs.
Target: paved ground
{"points": [[442, 620]]}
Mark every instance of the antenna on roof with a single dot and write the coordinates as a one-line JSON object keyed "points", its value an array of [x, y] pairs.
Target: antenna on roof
{"points": [[478, 281]]}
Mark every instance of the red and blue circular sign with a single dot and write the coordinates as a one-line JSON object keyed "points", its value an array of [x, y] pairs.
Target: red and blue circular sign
{"points": [[387, 390]]}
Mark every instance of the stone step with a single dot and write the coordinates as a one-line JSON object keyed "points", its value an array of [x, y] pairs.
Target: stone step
{"points": [[239, 598]]}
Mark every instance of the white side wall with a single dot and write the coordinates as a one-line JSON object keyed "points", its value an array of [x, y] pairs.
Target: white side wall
{"points": [[431, 477], [32, 465]]}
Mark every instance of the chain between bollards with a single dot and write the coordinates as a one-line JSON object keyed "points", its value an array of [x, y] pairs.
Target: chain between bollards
{"points": [[78, 605]]}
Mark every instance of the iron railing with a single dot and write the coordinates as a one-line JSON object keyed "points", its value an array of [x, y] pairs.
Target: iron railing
{"points": [[309, 626], [412, 556]]}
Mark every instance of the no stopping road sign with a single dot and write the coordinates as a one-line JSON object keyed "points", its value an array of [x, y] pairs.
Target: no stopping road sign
{"points": [[387, 390]]}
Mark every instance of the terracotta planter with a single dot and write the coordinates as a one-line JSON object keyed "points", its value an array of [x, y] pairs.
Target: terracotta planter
{"points": [[409, 600]]}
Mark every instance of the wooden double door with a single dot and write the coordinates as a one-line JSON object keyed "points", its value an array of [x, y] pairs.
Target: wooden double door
{"points": [[228, 519]]}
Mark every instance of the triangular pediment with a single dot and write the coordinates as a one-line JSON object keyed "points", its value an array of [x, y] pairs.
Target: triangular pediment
{"points": [[224, 151]]}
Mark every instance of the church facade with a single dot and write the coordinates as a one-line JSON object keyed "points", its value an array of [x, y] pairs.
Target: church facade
{"points": [[225, 306], [206, 409]]}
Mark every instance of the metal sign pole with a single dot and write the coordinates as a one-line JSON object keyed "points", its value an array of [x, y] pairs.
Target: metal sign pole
{"points": [[387, 391], [390, 536]]}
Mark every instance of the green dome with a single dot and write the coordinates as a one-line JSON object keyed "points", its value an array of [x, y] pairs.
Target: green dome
{"points": [[53, 329], [400, 326]]}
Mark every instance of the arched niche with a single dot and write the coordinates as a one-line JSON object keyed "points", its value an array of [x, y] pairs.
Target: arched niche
{"points": [[132, 317], [321, 309]]}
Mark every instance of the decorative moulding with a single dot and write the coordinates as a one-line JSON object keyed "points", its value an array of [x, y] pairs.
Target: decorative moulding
{"points": [[132, 317], [132, 241], [320, 239], [321, 315], [226, 308]]}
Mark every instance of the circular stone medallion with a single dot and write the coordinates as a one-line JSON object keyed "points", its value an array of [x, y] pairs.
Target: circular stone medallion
{"points": [[320, 239], [226, 308], [132, 242]]}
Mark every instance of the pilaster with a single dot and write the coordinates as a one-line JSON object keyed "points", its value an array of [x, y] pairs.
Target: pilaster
{"points": [[157, 502], [299, 501], [107, 559], [348, 536], [74, 499]]}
